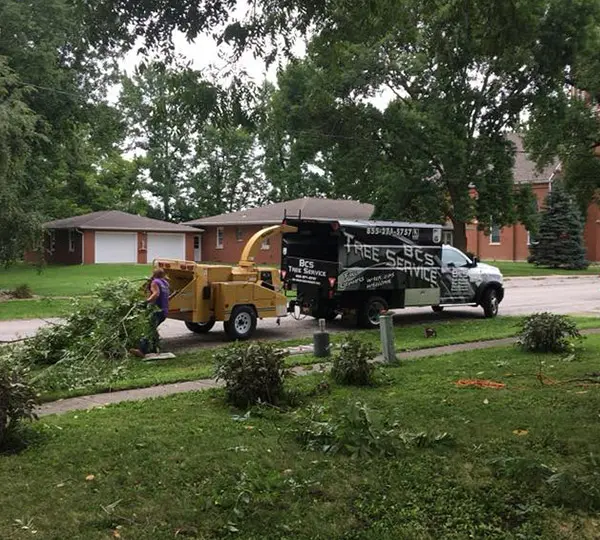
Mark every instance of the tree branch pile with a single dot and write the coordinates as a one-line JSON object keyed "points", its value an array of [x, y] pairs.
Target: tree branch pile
{"points": [[91, 346]]}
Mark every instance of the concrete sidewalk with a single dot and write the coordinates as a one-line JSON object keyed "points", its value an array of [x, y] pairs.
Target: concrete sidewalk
{"points": [[100, 400], [138, 394]]}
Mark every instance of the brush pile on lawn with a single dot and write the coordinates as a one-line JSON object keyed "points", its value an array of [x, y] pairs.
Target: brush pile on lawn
{"points": [[91, 345]]}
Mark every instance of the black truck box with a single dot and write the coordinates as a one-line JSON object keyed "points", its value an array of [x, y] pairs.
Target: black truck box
{"points": [[362, 255]]}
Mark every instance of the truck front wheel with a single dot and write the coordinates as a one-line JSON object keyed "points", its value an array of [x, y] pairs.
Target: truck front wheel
{"points": [[369, 314], [489, 303], [200, 328], [241, 324]]}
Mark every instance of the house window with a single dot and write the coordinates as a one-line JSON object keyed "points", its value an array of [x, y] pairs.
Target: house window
{"points": [[196, 242], [52, 243], [494, 234], [71, 240], [266, 244], [447, 238], [530, 239], [239, 234], [220, 234]]}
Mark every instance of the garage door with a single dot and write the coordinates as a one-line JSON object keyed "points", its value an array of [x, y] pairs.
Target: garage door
{"points": [[116, 247], [166, 246]]}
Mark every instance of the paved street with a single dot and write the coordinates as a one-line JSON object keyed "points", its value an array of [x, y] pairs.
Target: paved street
{"points": [[576, 295]]}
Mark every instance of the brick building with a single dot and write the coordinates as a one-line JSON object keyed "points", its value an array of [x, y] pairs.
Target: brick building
{"points": [[512, 243], [116, 237], [225, 235]]}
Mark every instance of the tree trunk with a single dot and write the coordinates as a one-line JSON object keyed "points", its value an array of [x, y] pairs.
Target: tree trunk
{"points": [[460, 235]]}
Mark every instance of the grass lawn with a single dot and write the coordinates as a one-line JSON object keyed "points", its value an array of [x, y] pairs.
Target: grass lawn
{"points": [[35, 308], [74, 280], [198, 364], [513, 269], [521, 462]]}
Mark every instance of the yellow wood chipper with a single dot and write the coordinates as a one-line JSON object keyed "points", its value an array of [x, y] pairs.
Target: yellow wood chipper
{"points": [[202, 294]]}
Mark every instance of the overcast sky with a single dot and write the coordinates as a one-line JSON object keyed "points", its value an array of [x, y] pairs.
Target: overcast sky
{"points": [[206, 56]]}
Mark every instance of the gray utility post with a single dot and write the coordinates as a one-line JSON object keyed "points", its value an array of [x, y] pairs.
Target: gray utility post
{"points": [[386, 326], [321, 347]]}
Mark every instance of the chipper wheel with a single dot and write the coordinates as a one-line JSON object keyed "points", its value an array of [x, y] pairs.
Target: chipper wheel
{"points": [[200, 328], [241, 324]]}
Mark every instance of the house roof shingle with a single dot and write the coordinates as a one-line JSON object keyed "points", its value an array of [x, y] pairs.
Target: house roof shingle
{"points": [[525, 170], [309, 207], [117, 221]]}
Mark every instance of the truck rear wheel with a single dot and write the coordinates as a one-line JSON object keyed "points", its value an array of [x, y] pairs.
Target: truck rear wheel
{"points": [[369, 313], [489, 303], [200, 328], [241, 324]]}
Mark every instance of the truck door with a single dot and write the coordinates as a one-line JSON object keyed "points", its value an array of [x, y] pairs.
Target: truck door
{"points": [[456, 284]]}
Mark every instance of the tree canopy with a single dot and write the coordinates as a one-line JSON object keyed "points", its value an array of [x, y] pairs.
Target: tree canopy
{"points": [[56, 129], [459, 75], [403, 103], [198, 142]]}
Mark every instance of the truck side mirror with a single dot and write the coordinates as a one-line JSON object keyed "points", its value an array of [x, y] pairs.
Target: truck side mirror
{"points": [[475, 261]]}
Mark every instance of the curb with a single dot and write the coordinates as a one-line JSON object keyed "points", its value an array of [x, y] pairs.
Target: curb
{"points": [[552, 276]]}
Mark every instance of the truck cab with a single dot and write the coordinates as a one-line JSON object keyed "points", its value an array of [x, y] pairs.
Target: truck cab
{"points": [[466, 281]]}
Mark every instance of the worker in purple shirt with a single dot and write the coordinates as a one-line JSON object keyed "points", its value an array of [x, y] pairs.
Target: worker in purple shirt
{"points": [[159, 297]]}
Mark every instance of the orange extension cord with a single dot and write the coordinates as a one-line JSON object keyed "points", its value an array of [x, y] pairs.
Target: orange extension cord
{"points": [[480, 383]]}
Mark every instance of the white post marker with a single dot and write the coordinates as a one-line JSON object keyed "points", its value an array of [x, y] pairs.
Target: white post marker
{"points": [[386, 327]]}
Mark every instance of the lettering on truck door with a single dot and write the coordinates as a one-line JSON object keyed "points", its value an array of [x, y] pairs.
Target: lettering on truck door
{"points": [[456, 287]]}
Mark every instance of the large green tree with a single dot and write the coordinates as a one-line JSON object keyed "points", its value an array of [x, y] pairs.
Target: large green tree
{"points": [[197, 141], [460, 73], [60, 127], [565, 126], [19, 220], [292, 166], [559, 242], [227, 175], [165, 107]]}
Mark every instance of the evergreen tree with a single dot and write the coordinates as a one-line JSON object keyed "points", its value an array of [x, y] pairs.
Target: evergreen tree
{"points": [[559, 242]]}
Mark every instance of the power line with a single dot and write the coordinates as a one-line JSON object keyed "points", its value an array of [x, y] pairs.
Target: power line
{"points": [[49, 89]]}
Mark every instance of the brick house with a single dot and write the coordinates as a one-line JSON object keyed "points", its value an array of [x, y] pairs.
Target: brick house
{"points": [[225, 235], [116, 237], [512, 243]]}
